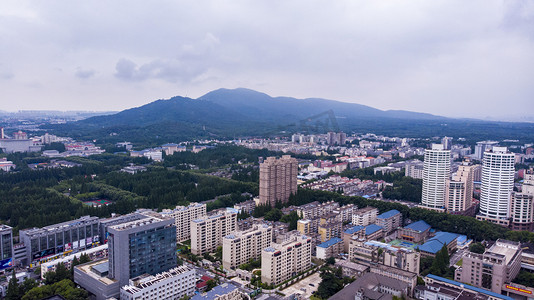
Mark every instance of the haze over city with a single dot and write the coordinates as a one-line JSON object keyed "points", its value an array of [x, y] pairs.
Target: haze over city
{"points": [[450, 58]]}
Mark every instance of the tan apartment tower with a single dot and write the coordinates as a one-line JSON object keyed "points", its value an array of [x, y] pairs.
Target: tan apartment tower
{"points": [[278, 179], [459, 189]]}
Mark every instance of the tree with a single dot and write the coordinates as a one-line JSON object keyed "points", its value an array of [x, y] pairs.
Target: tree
{"points": [[330, 260], [210, 284], [274, 215], [477, 248], [28, 284], [13, 289], [59, 274]]}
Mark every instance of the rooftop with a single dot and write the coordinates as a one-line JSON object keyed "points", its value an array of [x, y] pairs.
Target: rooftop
{"points": [[330, 242], [216, 292], [354, 229], [388, 214], [469, 287], [419, 226], [370, 229]]}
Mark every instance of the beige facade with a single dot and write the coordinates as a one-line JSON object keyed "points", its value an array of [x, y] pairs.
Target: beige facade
{"points": [[364, 216], [280, 262], [523, 204], [207, 233], [183, 215], [278, 179], [345, 212], [459, 189], [242, 246], [382, 253], [315, 209], [330, 230], [500, 264]]}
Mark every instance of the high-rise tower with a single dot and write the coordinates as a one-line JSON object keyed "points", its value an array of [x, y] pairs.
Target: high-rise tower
{"points": [[278, 179], [436, 171], [497, 185], [459, 189]]}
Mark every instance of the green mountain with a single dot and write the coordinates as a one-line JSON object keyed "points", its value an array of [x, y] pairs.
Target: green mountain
{"points": [[227, 113]]}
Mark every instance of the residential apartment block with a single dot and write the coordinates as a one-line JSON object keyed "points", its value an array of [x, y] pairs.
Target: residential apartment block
{"points": [[459, 189], [389, 220], [497, 186], [364, 216], [241, 246], [436, 170], [315, 209], [523, 204], [183, 215], [278, 179], [282, 261], [207, 233]]}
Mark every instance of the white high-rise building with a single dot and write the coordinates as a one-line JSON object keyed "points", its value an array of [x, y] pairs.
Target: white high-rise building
{"points": [[207, 233], [497, 185], [183, 215], [436, 171], [282, 261], [241, 246]]}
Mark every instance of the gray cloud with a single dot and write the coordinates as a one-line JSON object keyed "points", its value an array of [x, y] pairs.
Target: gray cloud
{"points": [[84, 74], [454, 58]]}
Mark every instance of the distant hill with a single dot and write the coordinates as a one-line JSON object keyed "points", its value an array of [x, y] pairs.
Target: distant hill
{"points": [[227, 113], [260, 105]]}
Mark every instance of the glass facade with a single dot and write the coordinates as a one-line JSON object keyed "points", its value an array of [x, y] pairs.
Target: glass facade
{"points": [[152, 251]]}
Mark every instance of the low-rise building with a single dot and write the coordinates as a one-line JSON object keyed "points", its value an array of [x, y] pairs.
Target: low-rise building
{"points": [[498, 266], [349, 234], [389, 220], [172, 284], [372, 286], [345, 212], [315, 209], [364, 216], [330, 248], [373, 232], [330, 230], [436, 243], [385, 254], [414, 232], [225, 291], [351, 269]]}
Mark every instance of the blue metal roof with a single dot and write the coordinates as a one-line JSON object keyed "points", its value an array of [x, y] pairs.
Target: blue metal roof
{"points": [[420, 226], [388, 214], [370, 229], [216, 292], [435, 244], [330, 242], [354, 229], [432, 246], [469, 287]]}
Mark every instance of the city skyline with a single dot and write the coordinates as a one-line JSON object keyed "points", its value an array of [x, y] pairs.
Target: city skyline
{"points": [[95, 58]]}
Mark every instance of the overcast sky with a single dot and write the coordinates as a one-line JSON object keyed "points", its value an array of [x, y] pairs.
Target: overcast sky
{"points": [[453, 58]]}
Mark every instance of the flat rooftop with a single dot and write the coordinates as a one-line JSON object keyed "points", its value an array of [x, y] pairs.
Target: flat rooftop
{"points": [[98, 265]]}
